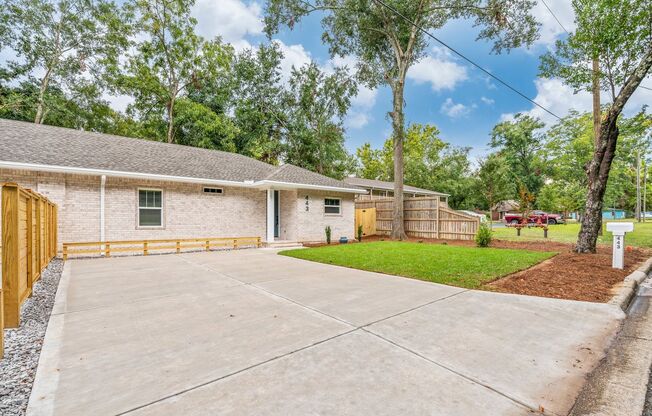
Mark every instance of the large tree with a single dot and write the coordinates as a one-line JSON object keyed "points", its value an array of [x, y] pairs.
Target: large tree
{"points": [[318, 103], [430, 163], [519, 142], [258, 102], [62, 45], [169, 60], [616, 35], [387, 44], [494, 182]]}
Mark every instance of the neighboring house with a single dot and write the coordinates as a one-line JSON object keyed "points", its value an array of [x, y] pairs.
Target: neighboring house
{"points": [[499, 210], [117, 188], [480, 215], [614, 214], [381, 189]]}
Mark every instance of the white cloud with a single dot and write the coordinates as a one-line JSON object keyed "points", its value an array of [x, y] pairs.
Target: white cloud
{"points": [[559, 98], [357, 120], [439, 70], [488, 101], [233, 20], [119, 102], [361, 105], [294, 56], [551, 30], [453, 110]]}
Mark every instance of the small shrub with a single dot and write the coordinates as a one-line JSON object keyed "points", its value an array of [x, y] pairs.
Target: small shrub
{"points": [[328, 234], [484, 236], [360, 233]]}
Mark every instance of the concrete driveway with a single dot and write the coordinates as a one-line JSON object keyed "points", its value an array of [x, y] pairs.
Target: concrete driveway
{"points": [[249, 332]]}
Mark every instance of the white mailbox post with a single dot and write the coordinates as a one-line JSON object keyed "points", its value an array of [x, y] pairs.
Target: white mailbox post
{"points": [[618, 229]]}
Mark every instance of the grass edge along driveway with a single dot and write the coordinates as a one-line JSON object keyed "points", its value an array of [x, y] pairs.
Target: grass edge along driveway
{"points": [[467, 267]]}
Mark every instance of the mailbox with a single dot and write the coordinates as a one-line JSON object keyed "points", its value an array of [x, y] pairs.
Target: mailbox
{"points": [[619, 229]]}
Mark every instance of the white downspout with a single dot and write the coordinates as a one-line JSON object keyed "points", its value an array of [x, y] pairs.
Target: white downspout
{"points": [[102, 186], [270, 216]]}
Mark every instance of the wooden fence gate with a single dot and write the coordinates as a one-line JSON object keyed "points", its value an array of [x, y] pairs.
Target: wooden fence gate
{"points": [[29, 242], [424, 217], [365, 217]]}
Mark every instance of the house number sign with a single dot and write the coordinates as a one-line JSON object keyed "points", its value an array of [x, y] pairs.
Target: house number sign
{"points": [[307, 203]]}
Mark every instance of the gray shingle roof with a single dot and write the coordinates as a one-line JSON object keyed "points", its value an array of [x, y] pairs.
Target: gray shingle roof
{"points": [[294, 174], [388, 186], [22, 142]]}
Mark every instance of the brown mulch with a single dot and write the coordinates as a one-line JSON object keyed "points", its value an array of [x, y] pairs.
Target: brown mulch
{"points": [[568, 275]]}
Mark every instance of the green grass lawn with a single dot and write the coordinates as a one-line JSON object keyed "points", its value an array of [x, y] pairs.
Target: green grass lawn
{"points": [[641, 237], [468, 267]]}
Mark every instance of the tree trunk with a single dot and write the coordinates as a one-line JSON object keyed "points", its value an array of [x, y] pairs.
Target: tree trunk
{"points": [[170, 134], [398, 228], [596, 113], [599, 167], [40, 103], [598, 174]]}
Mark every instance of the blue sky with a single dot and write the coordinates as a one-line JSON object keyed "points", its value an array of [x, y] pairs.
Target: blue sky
{"points": [[441, 89]]}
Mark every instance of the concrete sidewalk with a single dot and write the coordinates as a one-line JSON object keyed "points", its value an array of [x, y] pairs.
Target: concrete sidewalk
{"points": [[249, 332]]}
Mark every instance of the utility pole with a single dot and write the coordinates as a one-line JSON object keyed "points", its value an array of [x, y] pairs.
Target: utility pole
{"points": [[645, 189], [638, 185]]}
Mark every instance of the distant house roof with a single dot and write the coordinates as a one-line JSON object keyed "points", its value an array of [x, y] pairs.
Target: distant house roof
{"points": [[389, 186], [506, 206], [39, 147]]}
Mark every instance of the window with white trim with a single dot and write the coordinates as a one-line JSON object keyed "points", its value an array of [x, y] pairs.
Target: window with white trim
{"points": [[332, 206], [150, 208]]}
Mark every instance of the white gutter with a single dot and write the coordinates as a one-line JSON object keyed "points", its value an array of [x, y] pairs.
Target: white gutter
{"points": [[119, 174], [264, 184], [288, 185]]}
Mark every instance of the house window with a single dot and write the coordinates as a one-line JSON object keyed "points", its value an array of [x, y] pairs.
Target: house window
{"points": [[150, 208], [332, 206], [213, 191]]}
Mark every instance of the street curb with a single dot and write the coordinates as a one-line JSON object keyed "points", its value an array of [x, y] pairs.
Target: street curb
{"points": [[627, 288]]}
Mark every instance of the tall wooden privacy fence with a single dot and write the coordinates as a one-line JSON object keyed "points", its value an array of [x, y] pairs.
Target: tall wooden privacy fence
{"points": [[424, 217], [29, 242]]}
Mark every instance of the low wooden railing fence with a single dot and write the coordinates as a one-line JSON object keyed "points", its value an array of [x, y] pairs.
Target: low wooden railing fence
{"points": [[424, 217], [29, 242], [145, 247]]}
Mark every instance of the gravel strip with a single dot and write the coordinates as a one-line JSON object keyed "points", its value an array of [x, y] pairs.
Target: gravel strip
{"points": [[23, 345]]}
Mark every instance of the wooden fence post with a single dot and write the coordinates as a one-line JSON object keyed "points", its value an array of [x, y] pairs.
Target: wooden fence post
{"points": [[30, 244], [10, 255], [145, 251], [178, 247], [38, 254], [107, 250]]}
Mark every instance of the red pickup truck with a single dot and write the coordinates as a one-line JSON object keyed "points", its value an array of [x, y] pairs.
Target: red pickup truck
{"points": [[534, 217]]}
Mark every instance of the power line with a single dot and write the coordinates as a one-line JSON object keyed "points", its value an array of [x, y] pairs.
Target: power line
{"points": [[425, 32], [553, 15], [562, 26]]}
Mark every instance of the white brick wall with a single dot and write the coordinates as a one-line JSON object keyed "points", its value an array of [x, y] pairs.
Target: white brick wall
{"points": [[187, 211], [311, 222]]}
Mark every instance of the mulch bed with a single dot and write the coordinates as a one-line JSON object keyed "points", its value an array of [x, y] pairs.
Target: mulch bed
{"points": [[568, 275]]}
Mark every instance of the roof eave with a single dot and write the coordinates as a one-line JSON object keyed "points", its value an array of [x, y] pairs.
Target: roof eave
{"points": [[268, 184], [120, 174]]}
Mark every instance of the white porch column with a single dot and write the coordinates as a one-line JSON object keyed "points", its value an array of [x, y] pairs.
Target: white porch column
{"points": [[270, 215]]}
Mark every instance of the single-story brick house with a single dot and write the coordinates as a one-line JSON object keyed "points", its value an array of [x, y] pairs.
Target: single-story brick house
{"points": [[118, 188]]}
